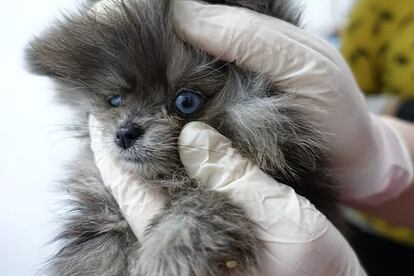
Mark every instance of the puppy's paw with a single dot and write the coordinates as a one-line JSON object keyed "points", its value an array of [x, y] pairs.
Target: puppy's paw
{"points": [[202, 233]]}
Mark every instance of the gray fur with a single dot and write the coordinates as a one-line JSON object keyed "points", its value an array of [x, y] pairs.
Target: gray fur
{"points": [[133, 51]]}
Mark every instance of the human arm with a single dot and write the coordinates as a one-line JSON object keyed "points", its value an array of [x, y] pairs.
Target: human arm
{"points": [[399, 210]]}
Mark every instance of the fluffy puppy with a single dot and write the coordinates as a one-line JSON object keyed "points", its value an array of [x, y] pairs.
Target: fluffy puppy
{"points": [[126, 66]]}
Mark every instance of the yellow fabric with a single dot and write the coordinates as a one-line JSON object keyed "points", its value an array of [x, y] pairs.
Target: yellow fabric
{"points": [[378, 43], [399, 234]]}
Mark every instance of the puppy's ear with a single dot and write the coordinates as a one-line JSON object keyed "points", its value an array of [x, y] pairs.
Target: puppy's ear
{"points": [[63, 51], [104, 48], [41, 55], [59, 50]]}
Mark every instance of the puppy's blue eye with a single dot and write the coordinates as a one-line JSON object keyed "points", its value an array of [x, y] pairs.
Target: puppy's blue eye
{"points": [[116, 101], [188, 101]]}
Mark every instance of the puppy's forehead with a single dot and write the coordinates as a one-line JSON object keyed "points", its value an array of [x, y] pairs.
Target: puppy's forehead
{"points": [[153, 55], [133, 39], [124, 46]]}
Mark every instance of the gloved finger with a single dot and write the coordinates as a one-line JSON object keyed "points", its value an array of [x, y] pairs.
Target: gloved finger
{"points": [[294, 33], [259, 43], [209, 157], [138, 201], [295, 234]]}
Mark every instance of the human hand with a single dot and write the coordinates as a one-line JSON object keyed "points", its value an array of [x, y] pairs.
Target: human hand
{"points": [[297, 238], [368, 155], [138, 201]]}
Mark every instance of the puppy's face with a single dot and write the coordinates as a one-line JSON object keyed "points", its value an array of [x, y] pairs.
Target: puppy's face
{"points": [[140, 122], [122, 63], [125, 65]]}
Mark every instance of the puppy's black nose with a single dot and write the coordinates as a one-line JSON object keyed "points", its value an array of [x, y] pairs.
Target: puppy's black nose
{"points": [[126, 136]]}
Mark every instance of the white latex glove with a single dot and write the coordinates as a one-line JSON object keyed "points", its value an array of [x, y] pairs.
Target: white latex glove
{"points": [[138, 201], [371, 160], [297, 238]]}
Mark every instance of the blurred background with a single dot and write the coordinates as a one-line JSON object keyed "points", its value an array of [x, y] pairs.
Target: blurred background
{"points": [[33, 148]]}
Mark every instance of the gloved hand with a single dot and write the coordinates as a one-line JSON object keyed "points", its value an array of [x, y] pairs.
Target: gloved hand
{"points": [[369, 156], [139, 202], [297, 238]]}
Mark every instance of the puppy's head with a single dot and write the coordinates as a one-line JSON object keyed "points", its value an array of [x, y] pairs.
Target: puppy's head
{"points": [[122, 62]]}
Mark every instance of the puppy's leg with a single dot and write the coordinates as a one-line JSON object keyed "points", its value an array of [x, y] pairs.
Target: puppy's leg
{"points": [[95, 239], [201, 233]]}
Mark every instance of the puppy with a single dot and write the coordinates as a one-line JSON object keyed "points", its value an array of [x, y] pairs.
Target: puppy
{"points": [[127, 67]]}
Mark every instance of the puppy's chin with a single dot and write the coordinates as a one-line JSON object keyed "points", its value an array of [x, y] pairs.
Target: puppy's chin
{"points": [[148, 168]]}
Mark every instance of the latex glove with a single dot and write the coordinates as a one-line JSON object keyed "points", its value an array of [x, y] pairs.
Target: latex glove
{"points": [[297, 238], [139, 202], [371, 160]]}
